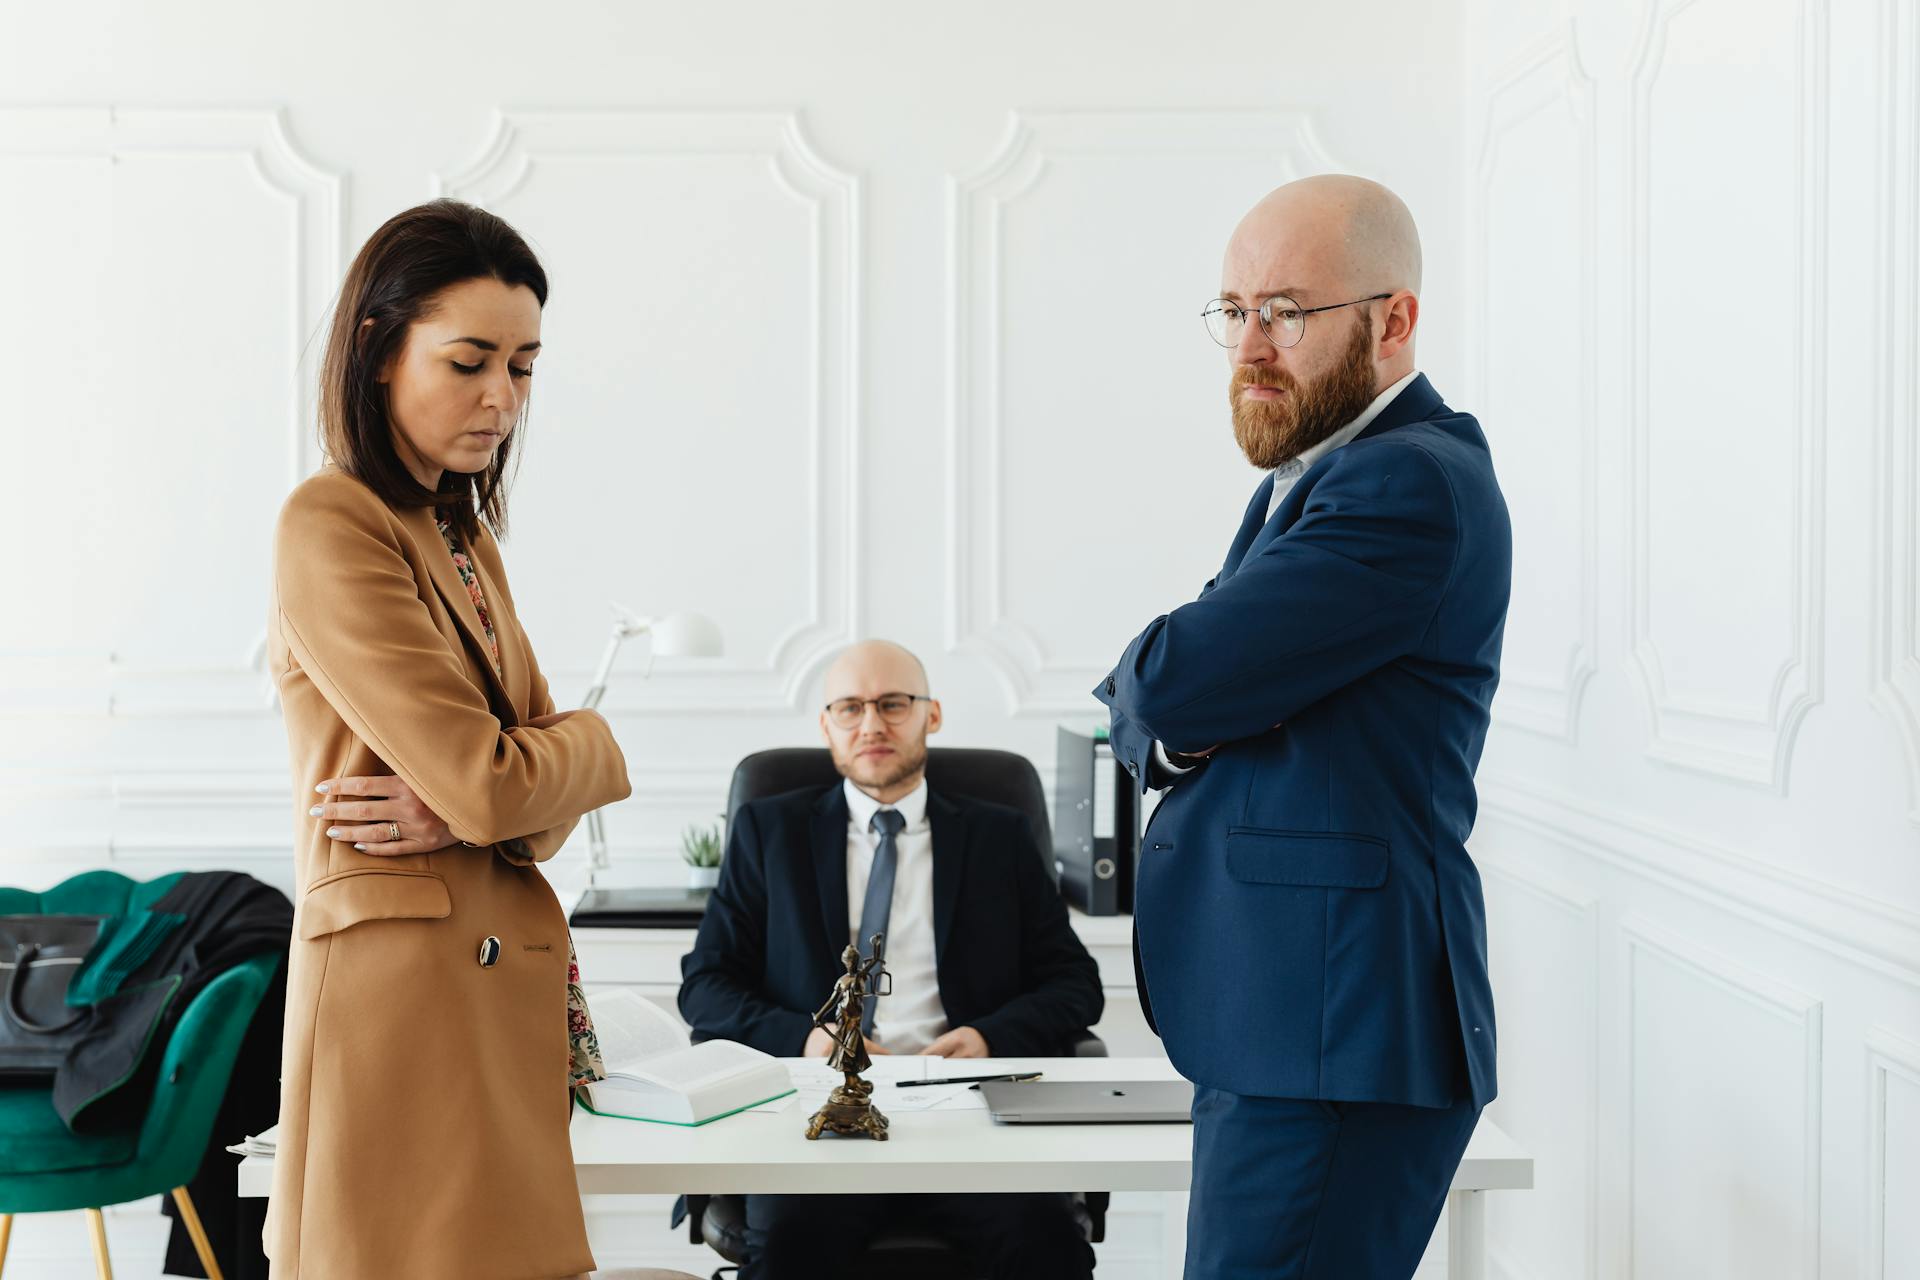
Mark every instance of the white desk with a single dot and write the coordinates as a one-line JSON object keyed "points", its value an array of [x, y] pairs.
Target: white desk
{"points": [[956, 1151]]}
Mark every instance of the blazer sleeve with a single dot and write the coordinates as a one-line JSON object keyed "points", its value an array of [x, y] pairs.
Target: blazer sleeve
{"points": [[1353, 585], [1135, 747], [352, 615], [721, 994], [1062, 995]]}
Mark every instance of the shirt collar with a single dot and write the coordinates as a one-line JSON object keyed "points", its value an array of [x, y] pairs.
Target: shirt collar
{"points": [[1359, 424], [861, 807]]}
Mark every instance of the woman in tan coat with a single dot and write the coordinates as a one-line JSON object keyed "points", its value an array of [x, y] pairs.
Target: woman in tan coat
{"points": [[434, 1022]]}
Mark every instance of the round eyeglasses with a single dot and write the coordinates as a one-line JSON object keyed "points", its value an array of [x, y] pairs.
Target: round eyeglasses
{"points": [[894, 708], [1283, 320]]}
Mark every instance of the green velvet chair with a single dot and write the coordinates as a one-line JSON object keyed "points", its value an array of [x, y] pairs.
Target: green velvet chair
{"points": [[46, 1168]]}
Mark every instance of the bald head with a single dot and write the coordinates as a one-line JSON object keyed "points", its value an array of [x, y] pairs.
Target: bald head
{"points": [[886, 758], [873, 667], [1331, 230]]}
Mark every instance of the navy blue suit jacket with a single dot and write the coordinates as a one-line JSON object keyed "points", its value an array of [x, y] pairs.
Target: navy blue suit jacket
{"points": [[1308, 923], [768, 951]]}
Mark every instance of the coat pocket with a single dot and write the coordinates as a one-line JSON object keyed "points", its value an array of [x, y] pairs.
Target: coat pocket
{"points": [[1328, 859], [347, 898]]}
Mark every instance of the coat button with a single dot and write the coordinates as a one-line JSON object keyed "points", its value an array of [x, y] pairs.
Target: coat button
{"points": [[489, 952], [1109, 686]]}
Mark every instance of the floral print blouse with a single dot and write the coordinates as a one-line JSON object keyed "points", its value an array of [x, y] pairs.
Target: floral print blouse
{"points": [[584, 1065]]}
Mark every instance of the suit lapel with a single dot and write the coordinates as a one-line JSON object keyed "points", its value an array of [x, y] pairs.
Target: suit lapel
{"points": [[459, 602], [1251, 523], [829, 840], [949, 860]]}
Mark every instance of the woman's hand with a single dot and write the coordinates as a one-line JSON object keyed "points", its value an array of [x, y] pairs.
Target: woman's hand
{"points": [[380, 815]]}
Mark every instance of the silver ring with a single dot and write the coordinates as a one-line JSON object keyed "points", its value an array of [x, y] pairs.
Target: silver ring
{"points": [[393, 831]]}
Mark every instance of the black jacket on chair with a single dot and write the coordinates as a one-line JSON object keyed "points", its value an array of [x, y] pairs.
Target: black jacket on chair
{"points": [[768, 951]]}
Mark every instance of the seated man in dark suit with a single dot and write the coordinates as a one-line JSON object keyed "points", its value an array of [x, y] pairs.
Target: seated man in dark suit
{"points": [[983, 959]]}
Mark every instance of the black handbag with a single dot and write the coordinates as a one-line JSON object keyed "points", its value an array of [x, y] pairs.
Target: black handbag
{"points": [[38, 957]]}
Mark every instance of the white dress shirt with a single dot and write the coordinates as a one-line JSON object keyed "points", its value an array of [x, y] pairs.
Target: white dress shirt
{"points": [[1284, 477], [912, 1017]]}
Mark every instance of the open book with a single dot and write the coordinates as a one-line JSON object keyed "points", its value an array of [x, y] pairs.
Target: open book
{"points": [[654, 1074]]}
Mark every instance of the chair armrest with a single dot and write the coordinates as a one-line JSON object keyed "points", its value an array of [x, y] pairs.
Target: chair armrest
{"points": [[691, 1208], [1096, 1204], [195, 1066]]}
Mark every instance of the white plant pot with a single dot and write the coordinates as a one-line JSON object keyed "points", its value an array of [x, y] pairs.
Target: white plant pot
{"points": [[702, 877]]}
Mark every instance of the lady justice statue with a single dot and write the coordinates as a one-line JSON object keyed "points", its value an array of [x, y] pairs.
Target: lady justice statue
{"points": [[849, 1108]]}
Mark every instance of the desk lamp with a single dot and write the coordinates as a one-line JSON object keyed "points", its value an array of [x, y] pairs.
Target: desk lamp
{"points": [[676, 635]]}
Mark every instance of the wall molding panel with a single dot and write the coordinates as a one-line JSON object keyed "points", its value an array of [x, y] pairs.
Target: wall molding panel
{"points": [[102, 144], [1578, 911], [1892, 1063], [1896, 544], [1859, 930], [1643, 940], [980, 619], [1749, 739], [1547, 87], [832, 503]]}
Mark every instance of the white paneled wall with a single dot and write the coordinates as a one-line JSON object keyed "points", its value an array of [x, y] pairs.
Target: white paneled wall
{"points": [[1695, 343]]}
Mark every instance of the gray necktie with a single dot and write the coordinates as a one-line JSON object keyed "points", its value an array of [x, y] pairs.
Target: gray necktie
{"points": [[878, 904]]}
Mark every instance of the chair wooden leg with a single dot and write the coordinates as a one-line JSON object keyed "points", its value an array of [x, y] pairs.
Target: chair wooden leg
{"points": [[97, 1227], [6, 1231], [183, 1202]]}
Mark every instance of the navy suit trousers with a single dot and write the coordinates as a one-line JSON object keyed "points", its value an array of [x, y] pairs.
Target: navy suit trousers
{"points": [[1300, 1189]]}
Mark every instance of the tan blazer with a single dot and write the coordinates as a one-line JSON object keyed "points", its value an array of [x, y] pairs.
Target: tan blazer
{"points": [[424, 1105]]}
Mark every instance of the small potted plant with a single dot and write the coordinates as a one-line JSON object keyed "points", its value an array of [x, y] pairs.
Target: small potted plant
{"points": [[701, 846]]}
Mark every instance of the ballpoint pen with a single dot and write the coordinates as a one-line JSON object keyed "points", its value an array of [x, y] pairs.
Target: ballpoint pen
{"points": [[1016, 1075]]}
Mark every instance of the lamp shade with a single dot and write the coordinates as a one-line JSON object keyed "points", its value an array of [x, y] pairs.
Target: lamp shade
{"points": [[686, 635]]}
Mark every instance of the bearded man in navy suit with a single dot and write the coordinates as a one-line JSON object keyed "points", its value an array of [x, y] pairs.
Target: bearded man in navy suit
{"points": [[1309, 928]]}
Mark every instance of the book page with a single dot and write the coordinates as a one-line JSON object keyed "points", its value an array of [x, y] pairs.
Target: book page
{"points": [[695, 1067], [632, 1028]]}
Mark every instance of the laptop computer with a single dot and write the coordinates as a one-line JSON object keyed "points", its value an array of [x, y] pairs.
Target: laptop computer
{"points": [[1089, 1101]]}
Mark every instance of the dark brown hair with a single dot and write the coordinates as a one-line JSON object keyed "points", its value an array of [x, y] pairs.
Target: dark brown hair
{"points": [[393, 282]]}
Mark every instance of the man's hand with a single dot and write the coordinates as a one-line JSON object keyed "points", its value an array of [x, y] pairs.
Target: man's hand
{"points": [[961, 1042], [370, 811], [820, 1042], [1187, 759]]}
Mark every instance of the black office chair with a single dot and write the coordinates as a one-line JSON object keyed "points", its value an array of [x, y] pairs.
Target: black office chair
{"points": [[999, 777]]}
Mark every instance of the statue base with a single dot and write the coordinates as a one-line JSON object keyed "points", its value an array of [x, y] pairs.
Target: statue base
{"points": [[849, 1110]]}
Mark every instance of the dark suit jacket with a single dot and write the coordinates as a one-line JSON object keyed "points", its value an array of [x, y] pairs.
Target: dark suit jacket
{"points": [[1307, 919], [768, 951]]}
